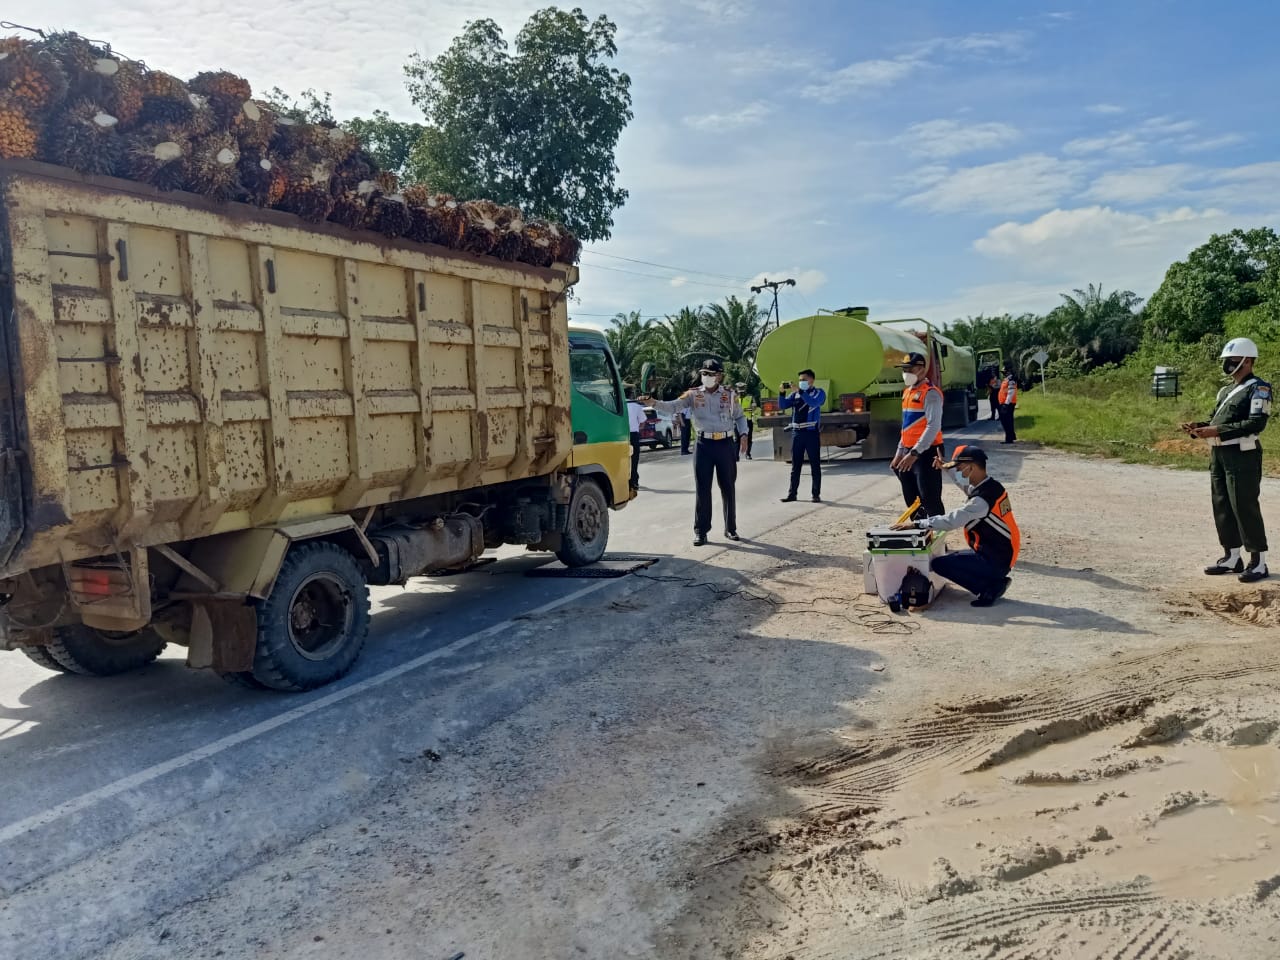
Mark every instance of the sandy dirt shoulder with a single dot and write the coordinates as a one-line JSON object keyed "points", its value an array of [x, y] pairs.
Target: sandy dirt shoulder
{"points": [[775, 766]]}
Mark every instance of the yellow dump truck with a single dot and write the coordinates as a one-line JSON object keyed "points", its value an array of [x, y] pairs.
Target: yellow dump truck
{"points": [[219, 425]]}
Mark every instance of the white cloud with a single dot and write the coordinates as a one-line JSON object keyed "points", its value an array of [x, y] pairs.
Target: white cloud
{"points": [[859, 77], [753, 114], [1105, 108], [1165, 126], [977, 45], [1013, 297], [1140, 184], [949, 138], [724, 10], [1212, 143], [807, 281], [1025, 183], [1120, 144], [1102, 245]]}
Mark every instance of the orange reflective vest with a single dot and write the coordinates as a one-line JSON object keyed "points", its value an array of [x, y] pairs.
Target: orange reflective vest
{"points": [[1008, 390], [913, 418], [996, 536]]}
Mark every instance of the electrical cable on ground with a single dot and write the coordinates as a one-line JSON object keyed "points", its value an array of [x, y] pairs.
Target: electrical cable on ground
{"points": [[876, 620]]}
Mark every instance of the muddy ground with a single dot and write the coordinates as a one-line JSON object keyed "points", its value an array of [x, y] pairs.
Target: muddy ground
{"points": [[776, 767]]}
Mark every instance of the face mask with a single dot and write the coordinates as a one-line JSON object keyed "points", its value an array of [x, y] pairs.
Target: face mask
{"points": [[909, 378], [804, 384], [1230, 366], [708, 381]]}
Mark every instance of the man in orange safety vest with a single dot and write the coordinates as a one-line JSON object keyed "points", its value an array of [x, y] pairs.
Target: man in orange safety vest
{"points": [[921, 439]]}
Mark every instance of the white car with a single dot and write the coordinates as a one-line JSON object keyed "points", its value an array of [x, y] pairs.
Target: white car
{"points": [[659, 430]]}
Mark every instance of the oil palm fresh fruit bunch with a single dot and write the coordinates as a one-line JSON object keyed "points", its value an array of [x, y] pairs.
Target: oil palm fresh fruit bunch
{"points": [[78, 59], [568, 246], [356, 167], [123, 94], [440, 219], [255, 125], [308, 192], [263, 179], [19, 134], [351, 204], [83, 136], [213, 168], [479, 226], [158, 156], [538, 243], [225, 93], [390, 215], [166, 99], [30, 74], [511, 227]]}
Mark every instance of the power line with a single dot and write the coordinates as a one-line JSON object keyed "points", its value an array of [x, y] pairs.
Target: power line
{"points": [[683, 281], [667, 266]]}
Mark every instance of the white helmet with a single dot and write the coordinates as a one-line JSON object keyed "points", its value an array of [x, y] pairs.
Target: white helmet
{"points": [[1239, 347]]}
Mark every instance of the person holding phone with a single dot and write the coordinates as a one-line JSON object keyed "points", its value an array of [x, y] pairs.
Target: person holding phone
{"points": [[806, 406]]}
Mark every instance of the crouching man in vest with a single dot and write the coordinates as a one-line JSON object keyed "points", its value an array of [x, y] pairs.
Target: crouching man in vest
{"points": [[989, 529]]}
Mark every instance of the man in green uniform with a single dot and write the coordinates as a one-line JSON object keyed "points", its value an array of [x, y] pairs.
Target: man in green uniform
{"points": [[1235, 472], [750, 410]]}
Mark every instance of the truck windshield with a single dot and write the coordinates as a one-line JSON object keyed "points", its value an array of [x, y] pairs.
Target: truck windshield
{"points": [[593, 378]]}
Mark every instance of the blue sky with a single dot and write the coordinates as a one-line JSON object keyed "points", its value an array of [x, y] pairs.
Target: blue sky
{"points": [[928, 159]]}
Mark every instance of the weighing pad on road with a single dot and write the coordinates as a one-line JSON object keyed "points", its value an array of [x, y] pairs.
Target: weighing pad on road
{"points": [[611, 565]]}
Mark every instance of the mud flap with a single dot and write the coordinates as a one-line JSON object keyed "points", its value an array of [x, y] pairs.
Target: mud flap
{"points": [[224, 635]]}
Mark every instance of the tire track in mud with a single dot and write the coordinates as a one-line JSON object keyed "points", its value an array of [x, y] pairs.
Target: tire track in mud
{"points": [[806, 890]]}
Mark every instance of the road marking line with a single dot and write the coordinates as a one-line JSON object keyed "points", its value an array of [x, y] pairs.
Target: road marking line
{"points": [[84, 801]]}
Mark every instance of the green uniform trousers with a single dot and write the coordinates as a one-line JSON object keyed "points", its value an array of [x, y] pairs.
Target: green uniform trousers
{"points": [[1235, 480]]}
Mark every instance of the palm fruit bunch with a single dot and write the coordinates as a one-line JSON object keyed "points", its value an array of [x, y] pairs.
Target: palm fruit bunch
{"points": [[511, 227], [83, 137], [568, 247], [437, 217], [225, 93], [389, 211], [308, 191], [480, 229], [19, 133], [351, 204], [122, 90], [255, 126], [539, 243], [263, 179], [157, 156], [166, 100], [213, 167], [30, 75]]}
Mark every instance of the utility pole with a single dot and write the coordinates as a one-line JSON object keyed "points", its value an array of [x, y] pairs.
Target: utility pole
{"points": [[773, 309]]}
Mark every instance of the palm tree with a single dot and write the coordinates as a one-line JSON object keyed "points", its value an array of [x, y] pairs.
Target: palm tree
{"points": [[674, 345], [733, 331], [628, 339], [1097, 327]]}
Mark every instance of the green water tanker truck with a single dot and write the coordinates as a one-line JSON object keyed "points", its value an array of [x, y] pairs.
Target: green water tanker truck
{"points": [[856, 362]]}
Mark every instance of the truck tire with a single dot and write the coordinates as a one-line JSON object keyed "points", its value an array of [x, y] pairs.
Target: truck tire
{"points": [[42, 657], [587, 533], [102, 653], [313, 626]]}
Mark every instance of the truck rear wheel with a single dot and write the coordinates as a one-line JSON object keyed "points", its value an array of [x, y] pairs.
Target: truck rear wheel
{"points": [[587, 533], [42, 657], [313, 626], [77, 648]]}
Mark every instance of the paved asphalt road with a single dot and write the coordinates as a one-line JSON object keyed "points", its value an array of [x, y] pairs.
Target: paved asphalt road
{"points": [[125, 797]]}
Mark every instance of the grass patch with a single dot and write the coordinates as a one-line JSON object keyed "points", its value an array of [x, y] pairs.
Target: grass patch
{"points": [[1125, 424]]}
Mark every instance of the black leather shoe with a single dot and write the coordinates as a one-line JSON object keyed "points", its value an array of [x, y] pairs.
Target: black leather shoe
{"points": [[1257, 570], [984, 600], [1004, 586], [732, 535], [789, 498], [699, 539], [1221, 567], [816, 498]]}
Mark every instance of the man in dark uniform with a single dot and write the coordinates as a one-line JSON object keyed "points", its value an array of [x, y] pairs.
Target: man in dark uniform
{"points": [[1235, 466], [716, 414], [806, 406], [1008, 402]]}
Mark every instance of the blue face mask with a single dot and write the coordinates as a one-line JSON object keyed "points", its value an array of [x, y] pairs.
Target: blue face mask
{"points": [[804, 384]]}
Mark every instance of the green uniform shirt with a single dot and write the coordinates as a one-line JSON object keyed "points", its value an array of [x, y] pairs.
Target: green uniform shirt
{"points": [[1241, 413]]}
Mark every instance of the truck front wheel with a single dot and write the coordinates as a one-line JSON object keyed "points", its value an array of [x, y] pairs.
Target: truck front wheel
{"points": [[313, 626], [76, 648], [587, 533]]}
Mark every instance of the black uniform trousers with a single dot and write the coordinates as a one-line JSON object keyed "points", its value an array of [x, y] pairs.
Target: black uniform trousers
{"points": [[923, 480], [1006, 421], [635, 459], [806, 443], [1235, 483], [715, 457], [993, 401], [685, 430]]}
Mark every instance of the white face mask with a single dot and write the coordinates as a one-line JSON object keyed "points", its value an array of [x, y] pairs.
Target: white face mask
{"points": [[709, 381], [804, 384], [909, 378]]}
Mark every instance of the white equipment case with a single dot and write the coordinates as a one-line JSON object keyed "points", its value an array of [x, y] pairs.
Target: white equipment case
{"points": [[891, 554]]}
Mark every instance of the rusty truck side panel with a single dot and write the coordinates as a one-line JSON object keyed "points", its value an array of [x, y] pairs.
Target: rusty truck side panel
{"points": [[184, 369]]}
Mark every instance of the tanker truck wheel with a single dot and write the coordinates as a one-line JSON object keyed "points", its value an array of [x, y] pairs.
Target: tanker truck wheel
{"points": [[101, 653], [42, 657], [587, 535], [312, 627]]}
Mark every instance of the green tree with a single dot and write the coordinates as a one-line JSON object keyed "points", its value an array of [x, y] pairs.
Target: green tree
{"points": [[674, 345], [733, 331], [629, 340], [537, 129], [1096, 327], [1232, 272], [389, 142]]}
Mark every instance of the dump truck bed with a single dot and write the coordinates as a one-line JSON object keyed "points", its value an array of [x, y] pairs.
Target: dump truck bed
{"points": [[174, 368]]}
